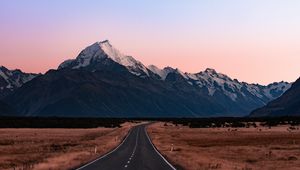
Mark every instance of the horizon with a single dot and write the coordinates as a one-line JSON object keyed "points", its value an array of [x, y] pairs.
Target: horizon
{"points": [[254, 42]]}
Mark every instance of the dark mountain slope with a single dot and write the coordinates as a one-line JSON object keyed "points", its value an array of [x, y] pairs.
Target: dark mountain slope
{"points": [[6, 110], [286, 105], [107, 94], [103, 82]]}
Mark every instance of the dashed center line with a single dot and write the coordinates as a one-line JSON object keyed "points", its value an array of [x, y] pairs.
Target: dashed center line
{"points": [[134, 149]]}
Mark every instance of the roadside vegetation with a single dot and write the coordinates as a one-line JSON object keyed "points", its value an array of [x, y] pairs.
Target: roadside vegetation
{"points": [[55, 122], [237, 122]]}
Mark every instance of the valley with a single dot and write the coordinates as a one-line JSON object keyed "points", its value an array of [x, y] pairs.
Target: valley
{"points": [[150, 85]]}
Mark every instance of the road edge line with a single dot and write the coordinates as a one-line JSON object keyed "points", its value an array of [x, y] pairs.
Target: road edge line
{"points": [[158, 151], [103, 156]]}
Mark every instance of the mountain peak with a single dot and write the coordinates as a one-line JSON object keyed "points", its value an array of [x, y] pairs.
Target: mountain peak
{"points": [[13, 79], [211, 70], [101, 44], [98, 52], [104, 42], [3, 68]]}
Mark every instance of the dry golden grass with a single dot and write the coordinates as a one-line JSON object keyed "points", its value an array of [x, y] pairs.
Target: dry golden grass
{"points": [[56, 148], [224, 148]]}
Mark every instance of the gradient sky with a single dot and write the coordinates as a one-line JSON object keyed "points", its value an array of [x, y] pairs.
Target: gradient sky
{"points": [[257, 41]]}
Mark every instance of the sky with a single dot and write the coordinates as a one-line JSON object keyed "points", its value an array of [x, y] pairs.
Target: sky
{"points": [[255, 41]]}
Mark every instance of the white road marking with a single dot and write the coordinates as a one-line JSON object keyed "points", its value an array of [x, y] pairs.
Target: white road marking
{"points": [[134, 149], [158, 151], [132, 152], [107, 153]]}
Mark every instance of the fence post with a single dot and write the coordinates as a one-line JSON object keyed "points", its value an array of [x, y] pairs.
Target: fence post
{"points": [[95, 149]]}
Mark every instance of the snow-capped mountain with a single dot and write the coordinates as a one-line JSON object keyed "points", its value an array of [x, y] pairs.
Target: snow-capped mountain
{"points": [[214, 82], [12, 79], [288, 104], [95, 56], [101, 81], [163, 73], [102, 55]]}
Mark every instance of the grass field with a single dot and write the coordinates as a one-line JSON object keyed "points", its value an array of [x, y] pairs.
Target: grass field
{"points": [[56, 148], [228, 148]]}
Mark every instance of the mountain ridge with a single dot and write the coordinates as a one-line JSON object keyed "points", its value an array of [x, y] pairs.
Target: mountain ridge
{"points": [[10, 80], [288, 104], [203, 94]]}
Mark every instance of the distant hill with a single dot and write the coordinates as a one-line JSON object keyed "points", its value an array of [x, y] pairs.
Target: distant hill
{"points": [[286, 105]]}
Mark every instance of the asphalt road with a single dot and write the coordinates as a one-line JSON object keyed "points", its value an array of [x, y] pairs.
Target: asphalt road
{"points": [[136, 152]]}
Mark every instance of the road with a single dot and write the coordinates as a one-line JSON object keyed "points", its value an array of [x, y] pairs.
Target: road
{"points": [[136, 152]]}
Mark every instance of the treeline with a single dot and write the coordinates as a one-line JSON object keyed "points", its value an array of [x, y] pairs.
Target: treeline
{"points": [[57, 122], [54, 122], [245, 122]]}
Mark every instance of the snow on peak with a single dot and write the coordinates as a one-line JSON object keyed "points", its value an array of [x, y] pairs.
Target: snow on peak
{"points": [[214, 81], [209, 78], [163, 73], [12, 79], [104, 49], [105, 42], [2, 73], [116, 55], [134, 66], [276, 88], [210, 70], [111, 52]]}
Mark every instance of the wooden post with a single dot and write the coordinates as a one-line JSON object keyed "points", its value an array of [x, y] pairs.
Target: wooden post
{"points": [[95, 149]]}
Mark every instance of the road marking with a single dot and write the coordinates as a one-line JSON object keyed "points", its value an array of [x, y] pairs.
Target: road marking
{"points": [[158, 151], [107, 153], [134, 149]]}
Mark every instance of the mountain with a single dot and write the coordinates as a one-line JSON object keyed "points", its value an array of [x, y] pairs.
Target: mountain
{"points": [[286, 105], [82, 93], [240, 96], [5, 109], [10, 80], [103, 82], [163, 73], [103, 56]]}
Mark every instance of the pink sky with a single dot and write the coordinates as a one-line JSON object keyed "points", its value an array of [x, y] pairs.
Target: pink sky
{"points": [[254, 42], [247, 62]]}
